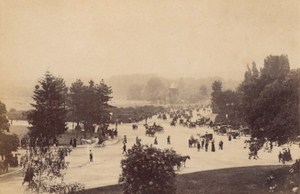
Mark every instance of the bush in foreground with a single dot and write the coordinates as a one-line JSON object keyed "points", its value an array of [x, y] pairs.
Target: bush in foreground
{"points": [[148, 170]]}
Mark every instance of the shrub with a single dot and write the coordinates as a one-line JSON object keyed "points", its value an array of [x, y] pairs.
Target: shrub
{"points": [[49, 167], [148, 170]]}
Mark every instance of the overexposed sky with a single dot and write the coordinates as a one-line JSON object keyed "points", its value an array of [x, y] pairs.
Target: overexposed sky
{"points": [[100, 38]]}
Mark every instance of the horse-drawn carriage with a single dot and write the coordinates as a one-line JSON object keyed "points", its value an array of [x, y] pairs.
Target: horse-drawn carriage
{"points": [[151, 130], [173, 123], [193, 142], [202, 121], [207, 137], [234, 134], [134, 126]]}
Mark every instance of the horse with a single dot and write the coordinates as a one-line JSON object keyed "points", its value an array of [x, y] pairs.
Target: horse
{"points": [[181, 160]]}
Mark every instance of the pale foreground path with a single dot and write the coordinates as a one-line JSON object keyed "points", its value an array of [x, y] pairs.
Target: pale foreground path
{"points": [[105, 169]]}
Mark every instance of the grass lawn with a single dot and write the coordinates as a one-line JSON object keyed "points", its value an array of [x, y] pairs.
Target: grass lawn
{"points": [[233, 180]]}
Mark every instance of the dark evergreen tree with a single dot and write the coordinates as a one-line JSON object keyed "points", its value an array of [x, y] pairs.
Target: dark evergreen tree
{"points": [[103, 93], [48, 119], [77, 98], [91, 104]]}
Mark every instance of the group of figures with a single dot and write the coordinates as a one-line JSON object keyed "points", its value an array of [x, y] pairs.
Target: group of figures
{"points": [[73, 142], [184, 117], [204, 142]]}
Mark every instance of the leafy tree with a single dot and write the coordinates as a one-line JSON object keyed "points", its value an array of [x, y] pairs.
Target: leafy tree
{"points": [[48, 120], [4, 123], [216, 95], [49, 168], [229, 104], [148, 170], [8, 142], [269, 100]]}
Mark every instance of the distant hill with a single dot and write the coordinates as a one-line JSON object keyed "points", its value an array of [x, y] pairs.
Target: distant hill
{"points": [[122, 85], [17, 94]]}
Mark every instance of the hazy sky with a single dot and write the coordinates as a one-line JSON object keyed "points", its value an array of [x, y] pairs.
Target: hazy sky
{"points": [[100, 38]]}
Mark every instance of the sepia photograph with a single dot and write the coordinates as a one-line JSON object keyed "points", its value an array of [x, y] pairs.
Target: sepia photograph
{"points": [[149, 96]]}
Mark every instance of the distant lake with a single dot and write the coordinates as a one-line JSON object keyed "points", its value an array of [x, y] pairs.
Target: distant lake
{"points": [[25, 123]]}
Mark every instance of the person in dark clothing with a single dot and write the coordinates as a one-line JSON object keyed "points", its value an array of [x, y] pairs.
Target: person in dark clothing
{"points": [[29, 175], [198, 146], [202, 143], [221, 145], [155, 141], [124, 149], [74, 142], [271, 146], [168, 140], [71, 142], [91, 156], [206, 146], [279, 157], [125, 139], [213, 149], [229, 138]]}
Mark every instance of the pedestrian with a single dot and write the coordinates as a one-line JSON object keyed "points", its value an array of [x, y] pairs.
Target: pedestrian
{"points": [[168, 140], [279, 157], [71, 142], [202, 143], [124, 149], [28, 175], [229, 138], [206, 146], [198, 146], [74, 142], [125, 139], [221, 145], [91, 156], [271, 146], [155, 141], [213, 149]]}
